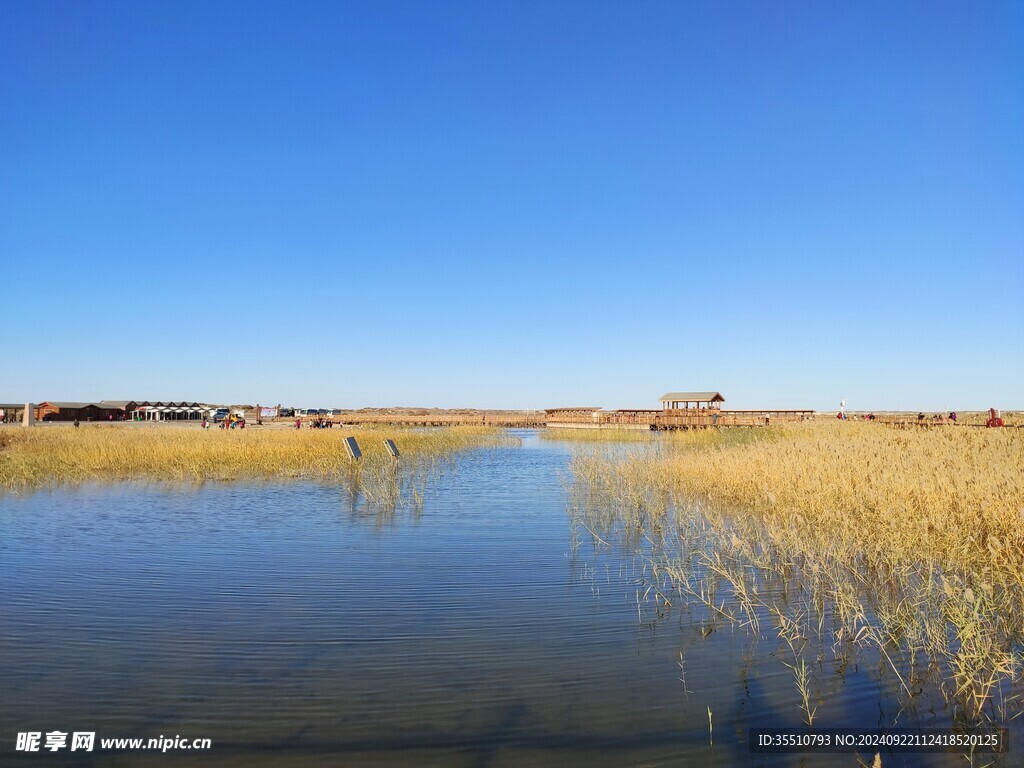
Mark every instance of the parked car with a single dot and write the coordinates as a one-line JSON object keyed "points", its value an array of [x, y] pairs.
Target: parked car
{"points": [[220, 414]]}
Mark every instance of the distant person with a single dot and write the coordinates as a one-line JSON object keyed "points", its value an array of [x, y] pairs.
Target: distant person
{"points": [[77, 425], [952, 416], [920, 416], [298, 423]]}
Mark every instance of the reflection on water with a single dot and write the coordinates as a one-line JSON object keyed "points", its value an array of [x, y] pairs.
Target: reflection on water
{"points": [[463, 622]]}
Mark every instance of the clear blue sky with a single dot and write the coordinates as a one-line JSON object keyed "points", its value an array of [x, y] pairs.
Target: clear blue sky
{"points": [[513, 204]]}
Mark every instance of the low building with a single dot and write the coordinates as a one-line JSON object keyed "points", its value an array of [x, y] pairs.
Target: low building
{"points": [[59, 410], [160, 410], [122, 410]]}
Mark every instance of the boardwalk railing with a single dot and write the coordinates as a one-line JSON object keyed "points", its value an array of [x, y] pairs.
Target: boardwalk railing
{"points": [[497, 419], [678, 418]]}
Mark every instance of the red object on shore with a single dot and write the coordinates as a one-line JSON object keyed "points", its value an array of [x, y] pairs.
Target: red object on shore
{"points": [[995, 419]]}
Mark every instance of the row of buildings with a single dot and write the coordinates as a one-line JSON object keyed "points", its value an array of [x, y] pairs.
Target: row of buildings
{"points": [[109, 410], [148, 410]]}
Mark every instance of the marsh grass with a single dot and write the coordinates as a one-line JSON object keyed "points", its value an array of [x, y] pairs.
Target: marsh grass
{"points": [[32, 458], [841, 541]]}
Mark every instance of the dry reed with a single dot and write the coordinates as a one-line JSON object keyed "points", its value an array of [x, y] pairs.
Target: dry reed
{"points": [[65, 455], [844, 537]]}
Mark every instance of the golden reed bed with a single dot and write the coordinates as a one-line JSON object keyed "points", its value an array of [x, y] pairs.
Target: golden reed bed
{"points": [[952, 493], [66, 455], [841, 538]]}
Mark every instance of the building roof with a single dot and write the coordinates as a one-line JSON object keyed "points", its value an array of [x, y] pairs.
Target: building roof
{"points": [[579, 408], [115, 405], [691, 397], [162, 404], [105, 405]]}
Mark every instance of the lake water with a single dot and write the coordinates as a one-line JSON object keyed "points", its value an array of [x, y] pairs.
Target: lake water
{"points": [[293, 626]]}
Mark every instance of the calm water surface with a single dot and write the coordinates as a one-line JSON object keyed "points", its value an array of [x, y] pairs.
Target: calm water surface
{"points": [[294, 626]]}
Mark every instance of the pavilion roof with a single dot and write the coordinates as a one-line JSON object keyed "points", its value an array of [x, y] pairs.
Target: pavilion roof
{"points": [[692, 397]]}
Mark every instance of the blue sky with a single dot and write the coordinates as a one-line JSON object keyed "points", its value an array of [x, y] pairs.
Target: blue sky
{"points": [[519, 204]]}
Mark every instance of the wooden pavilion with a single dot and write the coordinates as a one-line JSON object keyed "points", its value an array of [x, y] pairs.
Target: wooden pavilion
{"points": [[674, 401]]}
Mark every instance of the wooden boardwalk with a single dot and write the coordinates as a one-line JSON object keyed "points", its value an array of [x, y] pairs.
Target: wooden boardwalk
{"points": [[670, 418], [494, 419]]}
